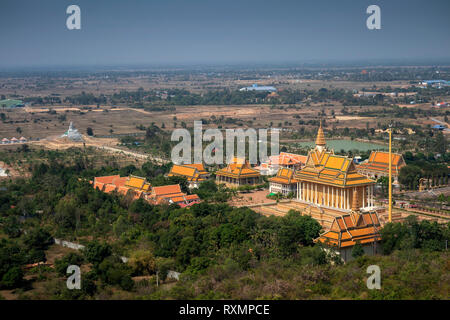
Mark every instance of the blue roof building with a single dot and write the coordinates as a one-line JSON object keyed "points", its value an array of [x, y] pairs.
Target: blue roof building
{"points": [[255, 87]]}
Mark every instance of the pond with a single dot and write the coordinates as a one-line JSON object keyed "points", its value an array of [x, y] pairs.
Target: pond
{"points": [[346, 145]]}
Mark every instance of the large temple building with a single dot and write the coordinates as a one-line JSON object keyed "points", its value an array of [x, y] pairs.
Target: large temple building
{"points": [[239, 172], [330, 180], [378, 165]]}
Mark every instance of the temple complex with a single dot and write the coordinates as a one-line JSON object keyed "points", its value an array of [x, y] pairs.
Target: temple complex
{"points": [[239, 172], [330, 190]]}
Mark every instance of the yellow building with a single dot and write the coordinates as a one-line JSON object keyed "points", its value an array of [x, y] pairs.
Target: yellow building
{"points": [[194, 173], [330, 180], [284, 182], [239, 172]]}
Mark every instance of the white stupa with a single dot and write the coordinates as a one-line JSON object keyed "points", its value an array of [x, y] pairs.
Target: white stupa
{"points": [[72, 134], [3, 172]]}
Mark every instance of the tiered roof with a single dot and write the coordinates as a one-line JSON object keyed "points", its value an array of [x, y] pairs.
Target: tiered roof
{"points": [[327, 168], [352, 228], [288, 159], [284, 176], [379, 161], [192, 172], [238, 168], [323, 166], [173, 193], [122, 185]]}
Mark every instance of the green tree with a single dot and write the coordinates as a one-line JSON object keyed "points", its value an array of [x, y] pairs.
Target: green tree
{"points": [[142, 262], [357, 250], [38, 238], [95, 252], [13, 278], [89, 131]]}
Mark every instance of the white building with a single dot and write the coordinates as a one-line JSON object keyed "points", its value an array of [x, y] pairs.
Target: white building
{"points": [[72, 134]]}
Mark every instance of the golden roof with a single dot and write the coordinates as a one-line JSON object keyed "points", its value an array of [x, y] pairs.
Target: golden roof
{"points": [[349, 229], [284, 176], [320, 140], [135, 182], [193, 172], [238, 168], [325, 167], [379, 161]]}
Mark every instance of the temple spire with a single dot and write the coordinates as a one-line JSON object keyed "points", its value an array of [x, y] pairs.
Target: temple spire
{"points": [[320, 140]]}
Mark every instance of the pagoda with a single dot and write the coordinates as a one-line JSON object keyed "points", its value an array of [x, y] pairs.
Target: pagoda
{"points": [[331, 181]]}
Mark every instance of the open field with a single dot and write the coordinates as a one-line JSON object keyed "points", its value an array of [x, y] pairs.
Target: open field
{"points": [[38, 123]]}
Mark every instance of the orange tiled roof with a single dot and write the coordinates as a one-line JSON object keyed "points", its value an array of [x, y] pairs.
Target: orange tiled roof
{"points": [[347, 230], [106, 179], [190, 197], [199, 166], [379, 161], [122, 185], [109, 188], [166, 190], [193, 172], [288, 159], [120, 181], [327, 168], [284, 176], [172, 193], [99, 185], [238, 168]]}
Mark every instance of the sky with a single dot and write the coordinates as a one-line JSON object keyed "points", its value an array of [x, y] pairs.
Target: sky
{"points": [[179, 32]]}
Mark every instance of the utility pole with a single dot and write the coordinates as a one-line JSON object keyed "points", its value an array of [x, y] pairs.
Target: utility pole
{"points": [[390, 172]]}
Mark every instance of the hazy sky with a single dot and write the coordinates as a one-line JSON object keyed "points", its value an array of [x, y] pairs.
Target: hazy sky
{"points": [[127, 32]]}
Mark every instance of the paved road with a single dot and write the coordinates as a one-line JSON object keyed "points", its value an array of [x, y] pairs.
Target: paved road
{"points": [[428, 193], [134, 154], [442, 123]]}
